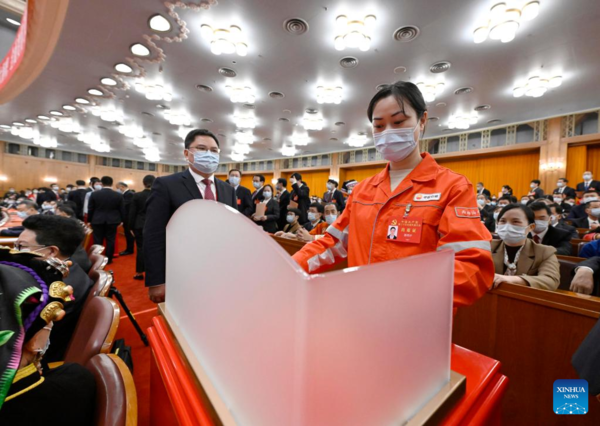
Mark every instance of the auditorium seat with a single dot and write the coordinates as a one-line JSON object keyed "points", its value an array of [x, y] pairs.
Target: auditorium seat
{"points": [[116, 396], [99, 261], [102, 282], [95, 330], [95, 248], [566, 269]]}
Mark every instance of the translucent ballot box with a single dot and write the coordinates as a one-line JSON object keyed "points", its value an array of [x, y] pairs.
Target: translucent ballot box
{"points": [[274, 346]]}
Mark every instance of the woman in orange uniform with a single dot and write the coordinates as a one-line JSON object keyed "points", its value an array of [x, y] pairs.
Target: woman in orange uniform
{"points": [[413, 206]]}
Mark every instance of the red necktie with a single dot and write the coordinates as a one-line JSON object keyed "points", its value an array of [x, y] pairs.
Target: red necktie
{"points": [[536, 239], [208, 194]]}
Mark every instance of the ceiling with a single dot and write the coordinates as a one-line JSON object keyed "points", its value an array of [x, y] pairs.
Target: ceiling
{"points": [[562, 40]]}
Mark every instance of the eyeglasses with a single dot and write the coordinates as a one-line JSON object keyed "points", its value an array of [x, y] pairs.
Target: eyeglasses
{"points": [[19, 246], [202, 148]]}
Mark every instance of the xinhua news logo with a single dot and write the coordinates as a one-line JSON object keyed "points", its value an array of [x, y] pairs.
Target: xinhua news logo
{"points": [[570, 397]]}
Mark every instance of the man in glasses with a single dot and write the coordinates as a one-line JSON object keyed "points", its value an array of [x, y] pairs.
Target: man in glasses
{"points": [[171, 192]]}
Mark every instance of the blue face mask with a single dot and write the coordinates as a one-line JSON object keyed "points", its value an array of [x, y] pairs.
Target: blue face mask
{"points": [[331, 218], [234, 180], [290, 219], [22, 215], [395, 144], [206, 162]]}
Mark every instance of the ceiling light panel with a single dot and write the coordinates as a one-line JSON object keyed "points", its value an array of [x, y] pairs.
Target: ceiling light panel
{"points": [[109, 114], [313, 122], [108, 81], [139, 49], [14, 22], [357, 141], [123, 68], [225, 41], [354, 33], [153, 91], [536, 86], [69, 107], [288, 151], [430, 90], [244, 137], [240, 94], [95, 92], [504, 19], [463, 121], [245, 121], [159, 23], [330, 94], [300, 140], [177, 118]]}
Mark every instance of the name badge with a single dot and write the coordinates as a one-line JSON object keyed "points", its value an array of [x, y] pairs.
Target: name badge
{"points": [[427, 197], [405, 230]]}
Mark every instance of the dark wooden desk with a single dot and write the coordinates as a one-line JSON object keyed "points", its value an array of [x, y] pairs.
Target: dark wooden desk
{"points": [[533, 333], [292, 246]]}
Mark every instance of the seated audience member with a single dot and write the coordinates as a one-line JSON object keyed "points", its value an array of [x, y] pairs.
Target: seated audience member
{"points": [[24, 210], [557, 221], [592, 219], [31, 394], [591, 249], [49, 207], [536, 192], [331, 215], [586, 277], [517, 259], [506, 200], [525, 200], [58, 237], [548, 235], [315, 216], [293, 224], [578, 212], [268, 221], [482, 202], [333, 195], [45, 194], [80, 256]]}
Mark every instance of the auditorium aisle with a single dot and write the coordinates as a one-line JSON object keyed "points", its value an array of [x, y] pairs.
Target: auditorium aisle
{"points": [[136, 298]]}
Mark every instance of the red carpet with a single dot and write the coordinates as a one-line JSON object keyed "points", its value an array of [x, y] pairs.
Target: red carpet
{"points": [[136, 297]]}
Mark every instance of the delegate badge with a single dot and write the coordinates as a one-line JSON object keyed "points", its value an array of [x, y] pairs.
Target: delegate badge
{"points": [[406, 230]]}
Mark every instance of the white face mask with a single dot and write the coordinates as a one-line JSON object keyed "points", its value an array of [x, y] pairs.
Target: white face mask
{"points": [[481, 203], [524, 202], [557, 200], [571, 203], [532, 185], [206, 162], [540, 226], [331, 218], [396, 144], [267, 195], [290, 219], [234, 180], [496, 214], [559, 184], [97, 187], [595, 212], [330, 186], [512, 234], [587, 177], [256, 185], [312, 216]]}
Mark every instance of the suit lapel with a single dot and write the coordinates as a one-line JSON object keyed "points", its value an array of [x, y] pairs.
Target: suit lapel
{"points": [[498, 257], [190, 184], [526, 258]]}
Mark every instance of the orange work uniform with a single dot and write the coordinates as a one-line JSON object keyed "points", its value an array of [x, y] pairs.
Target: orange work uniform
{"points": [[433, 208]]}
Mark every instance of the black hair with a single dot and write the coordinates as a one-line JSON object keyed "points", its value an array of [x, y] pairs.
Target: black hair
{"points": [[480, 183], [94, 179], [528, 213], [335, 182], [260, 177], [66, 210], [570, 197], [51, 230], [297, 212], [589, 191], [70, 186], [106, 181], [269, 186], [236, 170], [557, 207], [331, 204], [282, 181], [192, 135], [511, 199], [536, 181], [588, 205], [30, 204], [80, 182], [537, 206], [392, 228], [296, 176], [148, 180], [123, 184], [484, 195], [318, 206], [565, 179], [402, 91]]}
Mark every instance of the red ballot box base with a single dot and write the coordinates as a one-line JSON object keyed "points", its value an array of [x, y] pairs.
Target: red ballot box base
{"points": [[177, 397]]}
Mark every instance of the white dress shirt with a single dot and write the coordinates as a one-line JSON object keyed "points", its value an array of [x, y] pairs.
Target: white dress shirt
{"points": [[202, 185], [541, 235], [592, 221]]}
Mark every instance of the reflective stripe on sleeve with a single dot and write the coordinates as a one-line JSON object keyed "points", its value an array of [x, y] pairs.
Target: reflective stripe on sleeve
{"points": [[328, 257], [465, 245], [340, 235]]}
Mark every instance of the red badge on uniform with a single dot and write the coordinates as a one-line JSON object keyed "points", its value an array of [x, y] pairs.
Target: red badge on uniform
{"points": [[406, 230], [239, 202], [468, 212]]}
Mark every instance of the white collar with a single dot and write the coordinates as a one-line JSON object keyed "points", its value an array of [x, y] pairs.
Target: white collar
{"points": [[590, 220], [542, 234], [198, 178]]}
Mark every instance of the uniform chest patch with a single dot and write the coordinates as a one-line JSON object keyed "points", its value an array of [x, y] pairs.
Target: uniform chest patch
{"points": [[427, 197]]}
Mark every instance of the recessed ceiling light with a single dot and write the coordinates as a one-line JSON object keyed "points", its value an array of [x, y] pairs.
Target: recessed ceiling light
{"points": [[206, 120], [95, 92], [18, 124], [58, 113], [124, 68], [440, 104], [340, 123], [287, 111], [354, 33], [157, 134], [159, 23], [399, 70], [285, 120], [161, 106], [349, 62], [333, 139], [108, 81], [225, 40], [482, 107], [4, 126], [204, 88], [83, 101], [43, 117], [463, 90], [276, 95], [69, 107], [496, 121], [12, 21], [433, 118], [147, 113], [30, 120], [295, 26], [139, 49]]}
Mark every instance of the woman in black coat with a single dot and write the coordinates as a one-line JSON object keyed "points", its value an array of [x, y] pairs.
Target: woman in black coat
{"points": [[268, 221]]}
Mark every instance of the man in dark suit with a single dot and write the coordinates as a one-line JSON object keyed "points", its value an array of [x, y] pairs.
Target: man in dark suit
{"points": [[59, 237], [244, 197], [136, 221], [77, 196], [547, 235], [592, 220], [578, 212], [482, 191], [589, 184], [557, 221], [46, 194], [586, 277], [300, 195], [284, 202], [562, 187], [536, 192], [106, 211], [258, 181], [123, 188], [333, 195], [171, 192]]}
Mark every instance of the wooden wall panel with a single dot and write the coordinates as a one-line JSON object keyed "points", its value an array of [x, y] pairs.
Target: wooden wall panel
{"points": [[315, 180], [593, 161], [516, 170], [576, 164], [29, 172]]}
